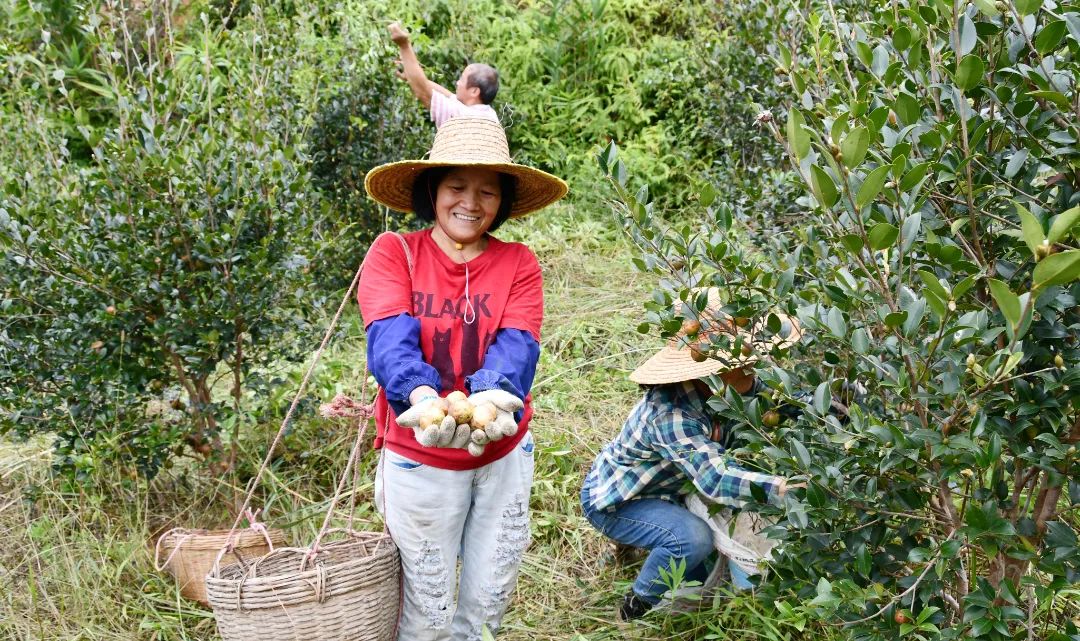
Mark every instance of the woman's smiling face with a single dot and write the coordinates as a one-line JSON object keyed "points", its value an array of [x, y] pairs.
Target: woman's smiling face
{"points": [[466, 203]]}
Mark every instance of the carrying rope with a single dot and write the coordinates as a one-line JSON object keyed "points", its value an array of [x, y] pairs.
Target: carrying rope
{"points": [[341, 403], [184, 533]]}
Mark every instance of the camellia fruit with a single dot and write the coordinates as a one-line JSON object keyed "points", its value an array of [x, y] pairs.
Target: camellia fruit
{"points": [[690, 327], [482, 415], [900, 617], [462, 411], [699, 353], [456, 395], [770, 418], [433, 416]]}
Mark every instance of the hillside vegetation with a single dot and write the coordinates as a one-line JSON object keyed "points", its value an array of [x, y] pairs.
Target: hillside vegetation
{"points": [[181, 208]]}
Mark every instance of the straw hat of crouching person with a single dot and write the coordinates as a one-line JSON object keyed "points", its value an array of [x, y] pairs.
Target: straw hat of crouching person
{"points": [[711, 342]]}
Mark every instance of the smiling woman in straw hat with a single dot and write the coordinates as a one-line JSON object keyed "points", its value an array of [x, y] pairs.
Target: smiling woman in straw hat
{"points": [[453, 311], [635, 489]]}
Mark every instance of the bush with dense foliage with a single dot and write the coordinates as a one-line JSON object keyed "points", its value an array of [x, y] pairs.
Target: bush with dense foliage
{"points": [[173, 254], [934, 262]]}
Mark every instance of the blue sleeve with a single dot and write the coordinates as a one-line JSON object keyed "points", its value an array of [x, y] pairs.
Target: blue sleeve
{"points": [[509, 364], [395, 359]]}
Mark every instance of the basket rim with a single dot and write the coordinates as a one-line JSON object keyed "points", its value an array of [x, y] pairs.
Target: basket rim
{"points": [[206, 539], [260, 581]]}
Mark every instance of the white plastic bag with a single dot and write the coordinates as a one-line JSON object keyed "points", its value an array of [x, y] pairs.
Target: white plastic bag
{"points": [[737, 538]]}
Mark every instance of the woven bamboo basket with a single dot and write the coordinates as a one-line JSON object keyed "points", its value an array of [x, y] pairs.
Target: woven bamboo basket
{"points": [[349, 592], [191, 554]]}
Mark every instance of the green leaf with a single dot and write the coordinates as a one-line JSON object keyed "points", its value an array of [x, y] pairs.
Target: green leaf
{"points": [[853, 243], [1056, 269], [1060, 100], [860, 341], [797, 134], [854, 146], [968, 37], [1006, 301], [1031, 227], [883, 235], [881, 60], [1024, 7], [871, 186], [916, 310], [1062, 224], [907, 108], [937, 305], [988, 8], [895, 319], [863, 560], [933, 284], [822, 398], [824, 187], [836, 322], [1050, 37], [969, 72], [801, 453], [707, 196], [963, 287], [1016, 163], [913, 176], [901, 38], [910, 231], [607, 157], [986, 520], [1010, 364], [824, 594]]}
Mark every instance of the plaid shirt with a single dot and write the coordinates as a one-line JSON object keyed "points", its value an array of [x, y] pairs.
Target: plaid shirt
{"points": [[665, 442]]}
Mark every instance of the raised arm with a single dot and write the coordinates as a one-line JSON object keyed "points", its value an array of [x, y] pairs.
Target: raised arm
{"points": [[411, 71]]}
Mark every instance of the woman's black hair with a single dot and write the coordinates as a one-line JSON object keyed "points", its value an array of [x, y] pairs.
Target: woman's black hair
{"points": [[427, 183]]}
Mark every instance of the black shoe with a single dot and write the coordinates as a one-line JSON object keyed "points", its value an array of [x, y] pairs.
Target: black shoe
{"points": [[633, 607]]}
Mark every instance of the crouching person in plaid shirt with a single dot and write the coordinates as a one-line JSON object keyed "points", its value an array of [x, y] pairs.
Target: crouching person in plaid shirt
{"points": [[634, 491]]}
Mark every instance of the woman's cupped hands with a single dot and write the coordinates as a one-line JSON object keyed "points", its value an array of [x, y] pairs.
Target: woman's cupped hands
{"points": [[457, 421]]}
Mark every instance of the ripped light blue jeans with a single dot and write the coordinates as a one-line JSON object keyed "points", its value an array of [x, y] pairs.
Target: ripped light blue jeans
{"points": [[437, 516]]}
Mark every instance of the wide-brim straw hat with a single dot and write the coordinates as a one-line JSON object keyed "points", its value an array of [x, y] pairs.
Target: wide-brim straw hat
{"points": [[675, 364], [465, 141]]}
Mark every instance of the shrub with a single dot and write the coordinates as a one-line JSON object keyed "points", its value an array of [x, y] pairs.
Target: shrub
{"points": [[935, 264], [170, 261]]}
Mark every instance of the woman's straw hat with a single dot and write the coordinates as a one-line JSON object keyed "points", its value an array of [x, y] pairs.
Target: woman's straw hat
{"points": [[465, 142], [674, 362]]}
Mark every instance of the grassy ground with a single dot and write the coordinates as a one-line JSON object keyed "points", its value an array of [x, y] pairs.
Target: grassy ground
{"points": [[76, 565]]}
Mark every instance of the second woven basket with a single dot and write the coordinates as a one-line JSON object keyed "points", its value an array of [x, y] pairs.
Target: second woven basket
{"points": [[190, 554]]}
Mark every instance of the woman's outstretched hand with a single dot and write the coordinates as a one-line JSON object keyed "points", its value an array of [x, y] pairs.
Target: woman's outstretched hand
{"points": [[506, 404], [432, 426]]}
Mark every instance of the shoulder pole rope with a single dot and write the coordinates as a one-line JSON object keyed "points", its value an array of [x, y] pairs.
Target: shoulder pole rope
{"points": [[363, 411]]}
